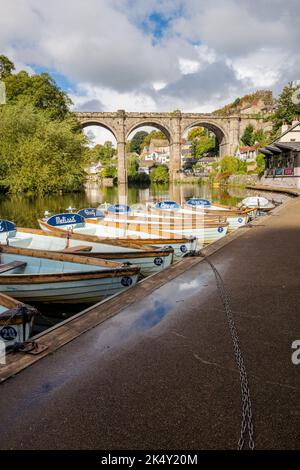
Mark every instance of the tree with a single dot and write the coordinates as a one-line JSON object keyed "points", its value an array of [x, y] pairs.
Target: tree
{"points": [[288, 107], [247, 137], [39, 90], [154, 135], [261, 163], [196, 132], [137, 140], [103, 153], [229, 165], [6, 67], [108, 172], [160, 174], [39, 154], [132, 166], [202, 146]]}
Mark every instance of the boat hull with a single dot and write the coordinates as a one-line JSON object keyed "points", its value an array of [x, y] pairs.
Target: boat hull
{"points": [[149, 260], [16, 321], [61, 278], [181, 245]]}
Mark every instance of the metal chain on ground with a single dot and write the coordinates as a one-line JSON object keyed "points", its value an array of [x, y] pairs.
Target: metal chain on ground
{"points": [[247, 419]]}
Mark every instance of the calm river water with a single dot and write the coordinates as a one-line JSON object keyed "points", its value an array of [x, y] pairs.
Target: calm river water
{"points": [[25, 210]]}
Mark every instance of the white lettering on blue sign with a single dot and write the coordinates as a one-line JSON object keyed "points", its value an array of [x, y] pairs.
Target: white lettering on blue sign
{"points": [[126, 281], [8, 333]]}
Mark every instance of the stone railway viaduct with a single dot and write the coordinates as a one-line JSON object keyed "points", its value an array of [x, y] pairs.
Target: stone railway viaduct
{"points": [[228, 130]]}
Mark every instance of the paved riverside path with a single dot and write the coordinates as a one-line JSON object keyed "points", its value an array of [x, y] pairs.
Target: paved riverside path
{"points": [[161, 374]]}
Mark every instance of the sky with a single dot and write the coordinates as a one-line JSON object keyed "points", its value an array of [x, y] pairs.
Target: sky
{"points": [[155, 55]]}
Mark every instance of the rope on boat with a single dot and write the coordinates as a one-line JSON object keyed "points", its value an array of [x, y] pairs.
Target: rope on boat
{"points": [[247, 419]]}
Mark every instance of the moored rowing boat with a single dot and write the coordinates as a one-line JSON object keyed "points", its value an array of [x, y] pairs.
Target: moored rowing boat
{"points": [[36, 275], [149, 259], [78, 229]]}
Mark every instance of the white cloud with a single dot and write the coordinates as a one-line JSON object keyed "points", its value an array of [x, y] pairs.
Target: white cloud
{"points": [[204, 54]]}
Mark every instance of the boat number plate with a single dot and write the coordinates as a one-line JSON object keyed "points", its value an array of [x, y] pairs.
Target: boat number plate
{"points": [[126, 281], [158, 261], [220, 229], [8, 333], [183, 248]]}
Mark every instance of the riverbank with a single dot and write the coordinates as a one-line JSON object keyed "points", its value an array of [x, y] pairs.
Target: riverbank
{"points": [[166, 375]]}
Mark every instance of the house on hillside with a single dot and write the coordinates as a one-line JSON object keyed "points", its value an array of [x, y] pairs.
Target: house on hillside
{"points": [[246, 153], [282, 158]]}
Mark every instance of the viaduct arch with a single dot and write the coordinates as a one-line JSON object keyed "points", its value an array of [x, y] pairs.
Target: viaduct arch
{"points": [[228, 130]]}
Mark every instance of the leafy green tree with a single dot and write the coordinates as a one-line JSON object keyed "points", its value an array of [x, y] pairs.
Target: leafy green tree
{"points": [[132, 166], [260, 161], [108, 172], [104, 153], [39, 154], [6, 67], [287, 107], [202, 146], [39, 90], [160, 174], [247, 137], [137, 141], [196, 132], [230, 165], [154, 135]]}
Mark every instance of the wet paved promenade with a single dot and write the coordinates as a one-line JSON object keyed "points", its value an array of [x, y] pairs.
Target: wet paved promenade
{"points": [[161, 374]]}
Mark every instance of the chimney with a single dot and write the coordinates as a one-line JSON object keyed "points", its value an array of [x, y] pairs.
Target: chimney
{"points": [[284, 127]]}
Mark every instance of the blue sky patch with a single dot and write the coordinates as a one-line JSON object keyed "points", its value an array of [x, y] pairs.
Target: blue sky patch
{"points": [[62, 81]]}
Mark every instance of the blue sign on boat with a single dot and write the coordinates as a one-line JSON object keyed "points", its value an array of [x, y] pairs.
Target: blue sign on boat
{"points": [[126, 281], [118, 208], [91, 213], [59, 220], [167, 205], [8, 333], [195, 201], [7, 226]]}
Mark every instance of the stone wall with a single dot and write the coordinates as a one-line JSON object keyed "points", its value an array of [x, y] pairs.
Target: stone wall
{"points": [[243, 180], [284, 182]]}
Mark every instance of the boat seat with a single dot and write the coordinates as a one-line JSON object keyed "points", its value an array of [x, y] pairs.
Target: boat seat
{"points": [[75, 249], [13, 265]]}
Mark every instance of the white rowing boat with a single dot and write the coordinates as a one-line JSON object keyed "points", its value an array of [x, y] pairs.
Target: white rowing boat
{"points": [[16, 320], [257, 202], [149, 259], [194, 213], [79, 229], [120, 223], [39, 276]]}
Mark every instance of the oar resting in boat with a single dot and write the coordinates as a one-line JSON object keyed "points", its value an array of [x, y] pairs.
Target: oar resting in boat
{"points": [[149, 259], [16, 320], [78, 229], [36, 275]]}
